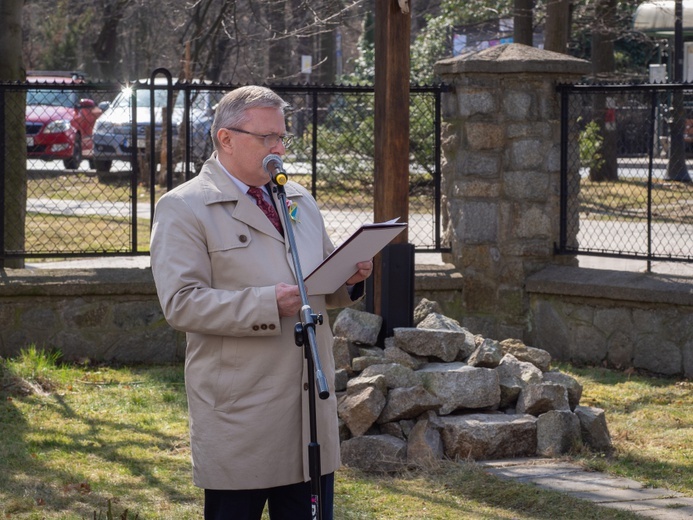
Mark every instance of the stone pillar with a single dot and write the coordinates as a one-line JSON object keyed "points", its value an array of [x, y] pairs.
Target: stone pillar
{"points": [[501, 173]]}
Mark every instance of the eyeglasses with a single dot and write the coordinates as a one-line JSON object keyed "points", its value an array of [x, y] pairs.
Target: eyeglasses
{"points": [[270, 140]]}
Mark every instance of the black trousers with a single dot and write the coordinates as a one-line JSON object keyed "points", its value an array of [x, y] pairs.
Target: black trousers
{"points": [[290, 502]]}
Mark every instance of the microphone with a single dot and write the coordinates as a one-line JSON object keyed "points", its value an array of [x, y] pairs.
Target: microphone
{"points": [[274, 166]]}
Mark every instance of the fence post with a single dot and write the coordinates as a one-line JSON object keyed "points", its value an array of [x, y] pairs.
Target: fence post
{"points": [[501, 175]]}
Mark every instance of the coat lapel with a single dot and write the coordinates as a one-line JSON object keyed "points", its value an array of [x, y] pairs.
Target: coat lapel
{"points": [[218, 188]]}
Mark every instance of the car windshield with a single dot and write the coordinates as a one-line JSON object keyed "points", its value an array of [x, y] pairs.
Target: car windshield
{"points": [[198, 99], [143, 98], [55, 98]]}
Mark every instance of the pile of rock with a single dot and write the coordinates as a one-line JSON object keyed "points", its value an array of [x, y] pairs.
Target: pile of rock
{"points": [[438, 390]]}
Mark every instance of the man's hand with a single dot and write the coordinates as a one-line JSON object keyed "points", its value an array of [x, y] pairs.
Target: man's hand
{"points": [[288, 299], [364, 271]]}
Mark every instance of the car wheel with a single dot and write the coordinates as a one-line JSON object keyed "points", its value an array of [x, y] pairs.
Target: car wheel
{"points": [[102, 166], [73, 162]]}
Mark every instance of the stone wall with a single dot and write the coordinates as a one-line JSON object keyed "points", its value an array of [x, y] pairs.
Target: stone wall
{"points": [[615, 319], [97, 314], [609, 318], [114, 314]]}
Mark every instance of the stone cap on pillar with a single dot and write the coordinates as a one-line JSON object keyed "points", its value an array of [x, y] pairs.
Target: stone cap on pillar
{"points": [[514, 58]]}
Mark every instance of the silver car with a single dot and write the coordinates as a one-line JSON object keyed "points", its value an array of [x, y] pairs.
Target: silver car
{"points": [[113, 130]]}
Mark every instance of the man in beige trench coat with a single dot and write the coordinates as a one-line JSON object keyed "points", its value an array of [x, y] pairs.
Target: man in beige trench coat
{"points": [[224, 275]]}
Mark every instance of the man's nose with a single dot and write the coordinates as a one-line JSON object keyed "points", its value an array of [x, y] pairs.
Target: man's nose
{"points": [[278, 148]]}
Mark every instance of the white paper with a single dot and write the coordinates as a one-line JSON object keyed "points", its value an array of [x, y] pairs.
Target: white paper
{"points": [[340, 265]]}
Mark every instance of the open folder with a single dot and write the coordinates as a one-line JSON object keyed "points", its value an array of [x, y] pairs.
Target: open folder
{"points": [[363, 245]]}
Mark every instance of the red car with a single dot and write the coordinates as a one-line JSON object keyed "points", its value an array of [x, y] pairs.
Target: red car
{"points": [[59, 125]]}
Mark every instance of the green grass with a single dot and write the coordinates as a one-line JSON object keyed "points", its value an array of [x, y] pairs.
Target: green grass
{"points": [[626, 200], [46, 233], [651, 423], [77, 440], [60, 184], [623, 200]]}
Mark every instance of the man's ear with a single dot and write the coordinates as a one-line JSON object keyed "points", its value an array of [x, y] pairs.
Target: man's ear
{"points": [[225, 140]]}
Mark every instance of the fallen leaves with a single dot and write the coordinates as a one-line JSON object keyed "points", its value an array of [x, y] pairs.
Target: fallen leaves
{"points": [[82, 488]]}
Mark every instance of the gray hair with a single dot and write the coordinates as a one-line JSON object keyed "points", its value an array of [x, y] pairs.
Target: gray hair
{"points": [[231, 110]]}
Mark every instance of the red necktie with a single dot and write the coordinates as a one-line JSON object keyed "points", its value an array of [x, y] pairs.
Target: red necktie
{"points": [[266, 207]]}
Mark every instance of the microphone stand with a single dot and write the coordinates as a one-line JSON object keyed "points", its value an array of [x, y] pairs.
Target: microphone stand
{"points": [[304, 336]]}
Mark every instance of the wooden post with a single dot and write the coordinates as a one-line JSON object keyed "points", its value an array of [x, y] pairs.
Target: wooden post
{"points": [[392, 57]]}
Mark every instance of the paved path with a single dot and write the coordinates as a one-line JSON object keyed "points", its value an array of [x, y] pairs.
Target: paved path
{"points": [[602, 489]]}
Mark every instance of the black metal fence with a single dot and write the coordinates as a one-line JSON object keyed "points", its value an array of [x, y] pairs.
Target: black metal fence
{"points": [[95, 166], [626, 156]]}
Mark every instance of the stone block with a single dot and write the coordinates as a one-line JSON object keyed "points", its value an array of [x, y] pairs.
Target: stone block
{"points": [[360, 410], [425, 445], [484, 136], [479, 222], [595, 432], [358, 326], [536, 399], [525, 185], [657, 354], [407, 403], [489, 436], [517, 104], [558, 433], [527, 154], [471, 102], [375, 453], [459, 386]]}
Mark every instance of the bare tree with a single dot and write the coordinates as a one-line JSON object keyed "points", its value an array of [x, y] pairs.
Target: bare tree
{"points": [[14, 161], [256, 40], [206, 34]]}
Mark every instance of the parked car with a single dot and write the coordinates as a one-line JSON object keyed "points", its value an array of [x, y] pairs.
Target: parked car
{"points": [[59, 123], [113, 131]]}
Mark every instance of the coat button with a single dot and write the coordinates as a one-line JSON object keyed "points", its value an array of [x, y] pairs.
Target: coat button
{"points": [[255, 327], [272, 326], [263, 326], [305, 386], [243, 239]]}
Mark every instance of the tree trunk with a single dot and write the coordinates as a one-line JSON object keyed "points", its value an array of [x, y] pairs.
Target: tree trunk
{"points": [[326, 51], [557, 26], [605, 112], [13, 105], [204, 42], [279, 54], [676, 168], [106, 43], [522, 23]]}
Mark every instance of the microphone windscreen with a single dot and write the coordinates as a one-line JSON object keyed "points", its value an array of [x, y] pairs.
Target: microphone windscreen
{"points": [[273, 157]]}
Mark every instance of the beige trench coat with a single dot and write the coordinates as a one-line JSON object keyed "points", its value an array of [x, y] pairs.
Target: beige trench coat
{"points": [[216, 259]]}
